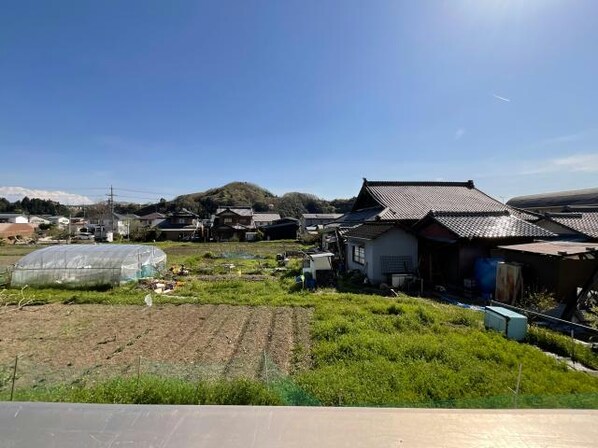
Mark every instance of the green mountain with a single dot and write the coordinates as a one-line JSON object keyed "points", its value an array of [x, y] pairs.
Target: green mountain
{"points": [[245, 193]]}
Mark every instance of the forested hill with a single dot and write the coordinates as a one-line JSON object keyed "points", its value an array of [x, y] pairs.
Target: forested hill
{"points": [[244, 193], [33, 206]]}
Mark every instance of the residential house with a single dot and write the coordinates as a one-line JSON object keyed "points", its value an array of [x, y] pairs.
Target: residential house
{"points": [[78, 225], [381, 250], [117, 223], [13, 218], [281, 229], [451, 242], [574, 224], [37, 220], [232, 223], [152, 219], [454, 222], [264, 219], [181, 225], [311, 221], [61, 222]]}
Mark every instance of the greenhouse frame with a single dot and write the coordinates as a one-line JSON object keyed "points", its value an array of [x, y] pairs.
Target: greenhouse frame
{"points": [[88, 265]]}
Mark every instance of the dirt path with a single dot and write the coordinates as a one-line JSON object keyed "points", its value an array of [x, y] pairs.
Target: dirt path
{"points": [[58, 342]]}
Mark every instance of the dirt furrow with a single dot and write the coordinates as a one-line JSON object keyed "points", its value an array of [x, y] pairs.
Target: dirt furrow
{"points": [[222, 344], [281, 342], [302, 337], [248, 357]]}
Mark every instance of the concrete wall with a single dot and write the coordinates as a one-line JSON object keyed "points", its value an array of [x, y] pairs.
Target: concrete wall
{"points": [[395, 242]]}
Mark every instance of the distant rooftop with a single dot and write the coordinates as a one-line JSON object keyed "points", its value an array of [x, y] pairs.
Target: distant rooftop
{"points": [[241, 210], [322, 215], [585, 197]]}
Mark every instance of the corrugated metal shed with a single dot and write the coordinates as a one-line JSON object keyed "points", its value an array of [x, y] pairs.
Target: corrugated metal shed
{"points": [[555, 248]]}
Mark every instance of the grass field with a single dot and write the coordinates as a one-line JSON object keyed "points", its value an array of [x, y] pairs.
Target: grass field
{"points": [[364, 349]]}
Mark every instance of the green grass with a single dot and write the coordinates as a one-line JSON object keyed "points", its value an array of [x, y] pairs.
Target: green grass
{"points": [[412, 351], [562, 345], [366, 350], [150, 389]]}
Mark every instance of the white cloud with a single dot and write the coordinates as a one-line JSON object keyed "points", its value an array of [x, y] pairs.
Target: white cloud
{"points": [[459, 133], [578, 163], [502, 98], [17, 193]]}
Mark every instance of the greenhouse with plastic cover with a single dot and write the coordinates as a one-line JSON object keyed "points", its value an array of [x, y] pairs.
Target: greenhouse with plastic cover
{"points": [[88, 265]]}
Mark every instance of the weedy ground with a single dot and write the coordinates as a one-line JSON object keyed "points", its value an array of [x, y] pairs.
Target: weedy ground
{"points": [[365, 349]]}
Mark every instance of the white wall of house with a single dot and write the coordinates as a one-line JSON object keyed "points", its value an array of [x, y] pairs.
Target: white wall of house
{"points": [[394, 243], [11, 218], [38, 220], [60, 221]]}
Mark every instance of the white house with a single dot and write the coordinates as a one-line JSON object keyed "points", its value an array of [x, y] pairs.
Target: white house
{"points": [[122, 223], [37, 220], [381, 250], [13, 218], [60, 221]]}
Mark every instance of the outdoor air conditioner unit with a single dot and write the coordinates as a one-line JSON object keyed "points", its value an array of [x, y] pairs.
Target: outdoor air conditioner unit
{"points": [[513, 325], [400, 280]]}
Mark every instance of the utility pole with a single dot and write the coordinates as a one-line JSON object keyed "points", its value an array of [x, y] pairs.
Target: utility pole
{"points": [[70, 220], [111, 204]]}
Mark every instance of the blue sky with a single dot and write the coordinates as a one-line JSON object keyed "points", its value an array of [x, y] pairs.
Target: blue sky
{"points": [[172, 96]]}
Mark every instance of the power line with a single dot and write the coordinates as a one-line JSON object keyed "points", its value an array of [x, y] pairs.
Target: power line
{"points": [[144, 191]]}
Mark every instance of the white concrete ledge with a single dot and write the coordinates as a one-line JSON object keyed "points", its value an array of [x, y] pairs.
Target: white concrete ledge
{"points": [[88, 425]]}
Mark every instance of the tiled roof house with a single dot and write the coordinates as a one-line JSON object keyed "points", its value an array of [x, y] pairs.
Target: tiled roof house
{"points": [[450, 223]]}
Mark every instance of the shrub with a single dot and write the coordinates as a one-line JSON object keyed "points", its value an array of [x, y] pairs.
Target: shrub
{"points": [[538, 301]]}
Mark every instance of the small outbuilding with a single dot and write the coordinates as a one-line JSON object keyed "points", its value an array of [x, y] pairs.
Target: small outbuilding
{"points": [[562, 268], [88, 265], [319, 266], [281, 229]]}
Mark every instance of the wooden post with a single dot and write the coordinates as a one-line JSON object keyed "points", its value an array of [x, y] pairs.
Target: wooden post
{"points": [[14, 377]]}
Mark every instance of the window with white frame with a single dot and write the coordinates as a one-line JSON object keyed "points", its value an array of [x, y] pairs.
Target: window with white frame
{"points": [[359, 254], [228, 220]]}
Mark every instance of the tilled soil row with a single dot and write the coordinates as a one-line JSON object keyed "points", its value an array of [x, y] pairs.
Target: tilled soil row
{"points": [[64, 342]]}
